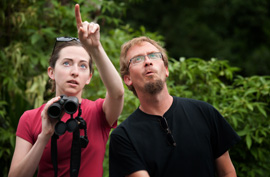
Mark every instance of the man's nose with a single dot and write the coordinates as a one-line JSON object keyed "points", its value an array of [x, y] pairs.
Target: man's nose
{"points": [[148, 61]]}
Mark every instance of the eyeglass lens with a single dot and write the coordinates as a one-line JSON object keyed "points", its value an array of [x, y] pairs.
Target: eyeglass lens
{"points": [[153, 56], [164, 125], [139, 59]]}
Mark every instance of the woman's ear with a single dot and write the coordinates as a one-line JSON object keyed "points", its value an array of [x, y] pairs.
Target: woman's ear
{"points": [[127, 80], [89, 79], [50, 72]]}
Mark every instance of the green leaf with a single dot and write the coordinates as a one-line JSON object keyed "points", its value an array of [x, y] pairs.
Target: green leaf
{"points": [[248, 141]]}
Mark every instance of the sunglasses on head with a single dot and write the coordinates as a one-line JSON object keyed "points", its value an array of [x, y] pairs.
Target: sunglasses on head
{"points": [[64, 39]]}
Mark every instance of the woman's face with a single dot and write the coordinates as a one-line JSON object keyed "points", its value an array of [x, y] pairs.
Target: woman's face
{"points": [[71, 72]]}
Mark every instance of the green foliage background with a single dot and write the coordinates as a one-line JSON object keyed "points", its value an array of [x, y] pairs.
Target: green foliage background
{"points": [[28, 29], [235, 30]]}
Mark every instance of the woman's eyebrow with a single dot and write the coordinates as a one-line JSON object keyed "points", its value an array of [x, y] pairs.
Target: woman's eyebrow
{"points": [[71, 59]]}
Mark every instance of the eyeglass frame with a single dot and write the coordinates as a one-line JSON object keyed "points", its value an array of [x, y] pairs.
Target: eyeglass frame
{"points": [[64, 39], [144, 58], [165, 126]]}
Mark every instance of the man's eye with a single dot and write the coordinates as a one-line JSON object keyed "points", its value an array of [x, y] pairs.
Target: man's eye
{"points": [[138, 59], [153, 55]]}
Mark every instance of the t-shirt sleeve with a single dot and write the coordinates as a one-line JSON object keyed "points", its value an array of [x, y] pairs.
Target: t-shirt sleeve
{"points": [[123, 159], [223, 135], [24, 129]]}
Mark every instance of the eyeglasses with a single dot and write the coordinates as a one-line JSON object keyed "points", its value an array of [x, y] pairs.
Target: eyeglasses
{"points": [[140, 59], [164, 125], [64, 39]]}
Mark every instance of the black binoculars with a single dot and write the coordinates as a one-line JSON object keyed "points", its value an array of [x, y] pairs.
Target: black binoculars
{"points": [[68, 104]]}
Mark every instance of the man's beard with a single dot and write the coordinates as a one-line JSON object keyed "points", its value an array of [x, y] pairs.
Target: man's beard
{"points": [[154, 87]]}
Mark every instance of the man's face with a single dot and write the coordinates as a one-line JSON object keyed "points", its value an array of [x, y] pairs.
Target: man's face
{"points": [[149, 75]]}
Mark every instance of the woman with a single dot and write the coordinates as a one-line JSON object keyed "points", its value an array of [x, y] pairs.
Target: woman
{"points": [[71, 69]]}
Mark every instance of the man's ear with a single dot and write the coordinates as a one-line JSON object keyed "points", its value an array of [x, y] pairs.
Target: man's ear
{"points": [[89, 79], [127, 80], [50, 72], [167, 72]]}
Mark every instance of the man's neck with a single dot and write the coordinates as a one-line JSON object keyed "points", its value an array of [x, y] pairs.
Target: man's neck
{"points": [[156, 104]]}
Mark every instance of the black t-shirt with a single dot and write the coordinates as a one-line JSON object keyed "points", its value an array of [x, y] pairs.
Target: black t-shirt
{"points": [[200, 132]]}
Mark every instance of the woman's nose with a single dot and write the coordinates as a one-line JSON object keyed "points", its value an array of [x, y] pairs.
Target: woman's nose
{"points": [[75, 71]]}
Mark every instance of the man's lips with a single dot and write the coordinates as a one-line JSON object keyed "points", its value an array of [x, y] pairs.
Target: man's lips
{"points": [[149, 72]]}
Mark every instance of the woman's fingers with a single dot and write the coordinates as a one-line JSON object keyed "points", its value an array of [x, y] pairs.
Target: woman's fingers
{"points": [[88, 32], [87, 29], [78, 17], [49, 103]]}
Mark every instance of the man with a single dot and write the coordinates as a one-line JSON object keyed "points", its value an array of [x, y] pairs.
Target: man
{"points": [[166, 136]]}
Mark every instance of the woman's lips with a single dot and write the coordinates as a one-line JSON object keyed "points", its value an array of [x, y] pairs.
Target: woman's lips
{"points": [[73, 82]]}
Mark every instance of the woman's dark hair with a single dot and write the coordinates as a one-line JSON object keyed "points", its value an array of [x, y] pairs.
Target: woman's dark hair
{"points": [[56, 52]]}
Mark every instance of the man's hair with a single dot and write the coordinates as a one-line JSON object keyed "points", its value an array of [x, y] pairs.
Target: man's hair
{"points": [[137, 41]]}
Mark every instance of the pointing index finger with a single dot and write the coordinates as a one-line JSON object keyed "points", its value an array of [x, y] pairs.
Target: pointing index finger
{"points": [[78, 16]]}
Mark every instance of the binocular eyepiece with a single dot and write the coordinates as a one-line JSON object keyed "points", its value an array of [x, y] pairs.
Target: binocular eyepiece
{"points": [[68, 104]]}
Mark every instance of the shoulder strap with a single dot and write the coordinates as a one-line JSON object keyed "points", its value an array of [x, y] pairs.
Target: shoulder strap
{"points": [[54, 153], [75, 160]]}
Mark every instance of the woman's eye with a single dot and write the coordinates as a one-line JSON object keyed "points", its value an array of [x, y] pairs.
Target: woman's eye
{"points": [[66, 63], [84, 66]]}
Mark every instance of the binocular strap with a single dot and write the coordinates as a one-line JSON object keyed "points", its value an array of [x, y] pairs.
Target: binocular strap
{"points": [[75, 160], [54, 153]]}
